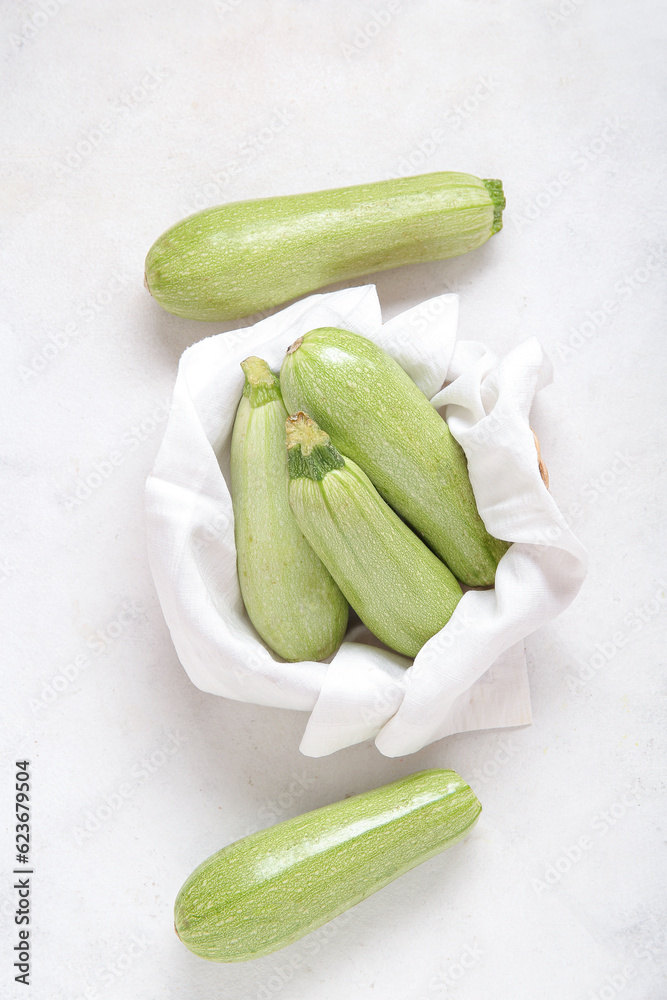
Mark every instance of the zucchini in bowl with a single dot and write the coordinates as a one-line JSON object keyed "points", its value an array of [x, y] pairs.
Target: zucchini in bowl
{"points": [[376, 415], [290, 597], [401, 591]]}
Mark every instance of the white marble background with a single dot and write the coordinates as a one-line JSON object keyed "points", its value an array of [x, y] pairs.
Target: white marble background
{"points": [[119, 118]]}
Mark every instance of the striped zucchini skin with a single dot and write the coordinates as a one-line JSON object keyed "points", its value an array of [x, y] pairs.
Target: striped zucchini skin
{"points": [[267, 890], [376, 415], [234, 259], [290, 597], [401, 591]]}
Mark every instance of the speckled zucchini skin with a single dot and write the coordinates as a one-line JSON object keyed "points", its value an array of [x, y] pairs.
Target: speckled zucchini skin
{"points": [[401, 591], [267, 890], [375, 415], [234, 259], [290, 597]]}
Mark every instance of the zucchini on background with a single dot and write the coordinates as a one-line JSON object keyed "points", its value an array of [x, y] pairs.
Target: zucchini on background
{"points": [[267, 890], [232, 260]]}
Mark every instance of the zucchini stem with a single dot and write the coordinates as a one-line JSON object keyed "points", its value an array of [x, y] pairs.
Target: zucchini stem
{"points": [[495, 189], [295, 346], [261, 385], [310, 454]]}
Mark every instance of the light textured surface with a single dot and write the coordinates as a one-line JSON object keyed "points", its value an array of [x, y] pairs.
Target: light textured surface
{"points": [[120, 118]]}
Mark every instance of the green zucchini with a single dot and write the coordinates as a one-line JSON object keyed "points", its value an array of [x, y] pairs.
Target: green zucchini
{"points": [[268, 890], [376, 415], [401, 591], [290, 597], [235, 259]]}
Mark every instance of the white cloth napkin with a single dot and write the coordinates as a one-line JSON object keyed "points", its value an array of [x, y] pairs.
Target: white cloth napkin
{"points": [[472, 674]]}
